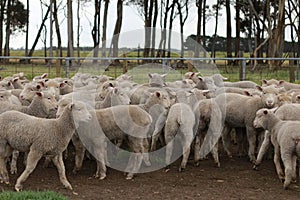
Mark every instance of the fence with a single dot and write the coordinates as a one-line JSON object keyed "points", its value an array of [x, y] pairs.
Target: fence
{"points": [[68, 66]]}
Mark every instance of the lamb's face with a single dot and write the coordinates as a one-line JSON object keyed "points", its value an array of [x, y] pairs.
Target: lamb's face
{"points": [[269, 96], [261, 118], [48, 100], [80, 112]]}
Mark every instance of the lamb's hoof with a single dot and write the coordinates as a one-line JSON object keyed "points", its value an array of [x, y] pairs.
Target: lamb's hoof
{"points": [[196, 164], [13, 171], [148, 163], [68, 186], [75, 171], [129, 177], [255, 167], [18, 188], [181, 169], [285, 186], [218, 165], [167, 169]]}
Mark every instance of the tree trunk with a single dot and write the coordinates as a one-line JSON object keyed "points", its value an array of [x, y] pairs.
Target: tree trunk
{"points": [[237, 29], [70, 32], [39, 33], [148, 10], [3, 4], [154, 27], [228, 30], [7, 29], [118, 26], [104, 28], [213, 52], [78, 30], [198, 36], [170, 29], [58, 35], [27, 31], [96, 29], [162, 44]]}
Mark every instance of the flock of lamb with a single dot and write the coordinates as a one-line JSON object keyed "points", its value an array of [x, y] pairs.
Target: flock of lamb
{"points": [[199, 110]]}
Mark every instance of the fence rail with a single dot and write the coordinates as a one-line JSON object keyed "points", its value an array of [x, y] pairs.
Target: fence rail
{"points": [[66, 63]]}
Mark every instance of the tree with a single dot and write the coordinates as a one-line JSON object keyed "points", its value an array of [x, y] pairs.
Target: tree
{"points": [[117, 30], [228, 29], [104, 27], [70, 31], [199, 9], [96, 28], [2, 10]]}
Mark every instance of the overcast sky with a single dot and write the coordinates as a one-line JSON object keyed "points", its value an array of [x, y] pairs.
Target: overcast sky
{"points": [[132, 28]]}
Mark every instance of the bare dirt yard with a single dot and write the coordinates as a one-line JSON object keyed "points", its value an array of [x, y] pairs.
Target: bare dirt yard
{"points": [[235, 179]]}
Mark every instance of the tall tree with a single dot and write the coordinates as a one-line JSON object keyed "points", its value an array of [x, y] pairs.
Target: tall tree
{"points": [[70, 30], [104, 30], [237, 28], [2, 9], [164, 20], [182, 20], [117, 30], [199, 22], [228, 29], [96, 28]]}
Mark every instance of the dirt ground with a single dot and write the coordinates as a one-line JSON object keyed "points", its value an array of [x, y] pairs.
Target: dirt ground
{"points": [[235, 179]]}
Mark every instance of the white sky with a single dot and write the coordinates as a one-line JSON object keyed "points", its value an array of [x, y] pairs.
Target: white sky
{"points": [[132, 25]]}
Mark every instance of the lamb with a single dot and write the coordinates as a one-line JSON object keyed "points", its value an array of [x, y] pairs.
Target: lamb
{"points": [[52, 87], [179, 128], [285, 137], [24, 133], [244, 115], [29, 92], [65, 87], [207, 129], [6, 95], [7, 85], [43, 105], [115, 96], [118, 122], [282, 83], [286, 112], [241, 84]]}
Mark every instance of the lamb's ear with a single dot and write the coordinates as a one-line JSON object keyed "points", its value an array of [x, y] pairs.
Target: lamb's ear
{"points": [[265, 112], [259, 88], [164, 75], [16, 79], [281, 82], [157, 94], [264, 81], [71, 106], [41, 83], [200, 78], [39, 94], [61, 85], [247, 93], [150, 75], [44, 75]]}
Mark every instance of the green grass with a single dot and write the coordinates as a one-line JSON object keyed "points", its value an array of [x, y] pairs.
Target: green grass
{"points": [[25, 195]]}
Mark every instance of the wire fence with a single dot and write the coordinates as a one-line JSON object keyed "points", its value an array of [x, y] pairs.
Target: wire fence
{"points": [[233, 68]]}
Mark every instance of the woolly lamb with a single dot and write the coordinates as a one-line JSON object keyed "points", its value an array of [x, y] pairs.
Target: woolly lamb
{"points": [[285, 135], [24, 133], [240, 111]]}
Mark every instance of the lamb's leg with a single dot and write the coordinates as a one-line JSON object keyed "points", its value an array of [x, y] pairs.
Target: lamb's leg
{"points": [[101, 158], [59, 163], [288, 165], [145, 150], [13, 164], [3, 171], [277, 160], [263, 149], [294, 160], [197, 150], [32, 160], [251, 136], [134, 164], [215, 154], [186, 148], [79, 153], [226, 139]]}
